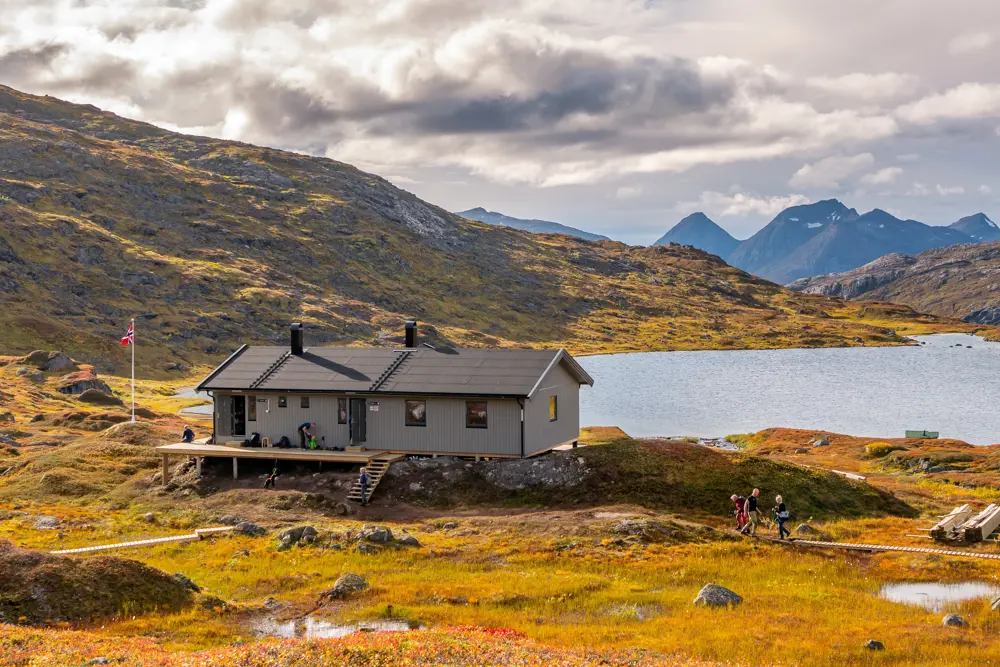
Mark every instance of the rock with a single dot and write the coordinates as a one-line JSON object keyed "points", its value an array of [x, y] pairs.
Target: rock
{"points": [[341, 509], [229, 519], [96, 661], [29, 374], [75, 384], [806, 529], [408, 540], [367, 549], [272, 605], [713, 595], [212, 602], [801, 450], [47, 523], [57, 361], [149, 517], [954, 621], [249, 529], [822, 441], [449, 525], [7, 417], [96, 397], [346, 585], [874, 645], [297, 535], [186, 582], [377, 534]]}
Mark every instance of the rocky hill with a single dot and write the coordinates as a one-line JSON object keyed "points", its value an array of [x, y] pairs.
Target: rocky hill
{"points": [[979, 227], [829, 237], [700, 231], [537, 226], [212, 243], [959, 281]]}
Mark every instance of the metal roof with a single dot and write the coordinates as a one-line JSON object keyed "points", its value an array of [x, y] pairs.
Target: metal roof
{"points": [[420, 370]]}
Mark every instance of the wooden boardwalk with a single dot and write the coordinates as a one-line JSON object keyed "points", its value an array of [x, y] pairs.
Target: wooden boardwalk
{"points": [[199, 534], [883, 548]]}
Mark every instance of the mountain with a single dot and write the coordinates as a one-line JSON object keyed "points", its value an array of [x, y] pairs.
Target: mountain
{"points": [[958, 281], [979, 227], [537, 226], [828, 237], [212, 243], [700, 231]]}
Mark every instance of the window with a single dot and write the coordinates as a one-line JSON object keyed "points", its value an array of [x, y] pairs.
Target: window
{"points": [[416, 413], [251, 408], [341, 410], [553, 408], [282, 401], [475, 414], [304, 402]]}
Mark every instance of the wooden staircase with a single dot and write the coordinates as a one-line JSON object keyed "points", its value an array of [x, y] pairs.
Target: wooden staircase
{"points": [[377, 468]]}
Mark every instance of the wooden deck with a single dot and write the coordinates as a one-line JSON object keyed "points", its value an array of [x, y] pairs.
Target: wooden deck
{"points": [[201, 450]]}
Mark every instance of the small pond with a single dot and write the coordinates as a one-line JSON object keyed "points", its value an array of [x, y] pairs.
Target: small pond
{"points": [[938, 596], [311, 627]]}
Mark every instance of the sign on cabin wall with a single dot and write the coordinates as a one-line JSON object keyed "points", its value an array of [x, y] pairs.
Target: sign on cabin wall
{"points": [[373, 406]]}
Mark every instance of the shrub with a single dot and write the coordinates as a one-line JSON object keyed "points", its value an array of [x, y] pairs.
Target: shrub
{"points": [[877, 450]]}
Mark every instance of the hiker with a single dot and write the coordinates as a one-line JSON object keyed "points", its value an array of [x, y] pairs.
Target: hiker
{"points": [[741, 515], [781, 514], [305, 434], [363, 481], [753, 515], [188, 435], [271, 480]]}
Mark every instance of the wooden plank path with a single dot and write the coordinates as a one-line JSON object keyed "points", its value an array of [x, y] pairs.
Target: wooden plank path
{"points": [[882, 548], [199, 534]]}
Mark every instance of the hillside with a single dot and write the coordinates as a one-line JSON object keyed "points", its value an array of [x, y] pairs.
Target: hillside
{"points": [[828, 237], [700, 231], [213, 243], [536, 226], [960, 281]]}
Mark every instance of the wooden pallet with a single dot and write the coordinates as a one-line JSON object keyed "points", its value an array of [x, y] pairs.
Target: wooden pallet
{"points": [[377, 468], [199, 534], [948, 527]]}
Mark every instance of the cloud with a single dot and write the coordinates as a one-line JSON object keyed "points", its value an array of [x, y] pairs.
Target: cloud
{"points": [[918, 190], [985, 189], [867, 86], [951, 190], [969, 100], [970, 42], [831, 171], [882, 176], [908, 157], [740, 204], [628, 192]]}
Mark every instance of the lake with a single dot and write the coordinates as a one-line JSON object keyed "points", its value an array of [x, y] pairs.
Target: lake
{"points": [[865, 391]]}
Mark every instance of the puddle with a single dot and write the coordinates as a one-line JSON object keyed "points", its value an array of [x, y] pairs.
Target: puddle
{"points": [[316, 628], [936, 596]]}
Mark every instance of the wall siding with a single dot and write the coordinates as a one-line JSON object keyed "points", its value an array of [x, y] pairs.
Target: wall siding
{"points": [[445, 432], [539, 433]]}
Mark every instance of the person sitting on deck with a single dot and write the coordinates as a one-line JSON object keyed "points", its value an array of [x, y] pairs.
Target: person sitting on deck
{"points": [[188, 435], [363, 481], [305, 434]]}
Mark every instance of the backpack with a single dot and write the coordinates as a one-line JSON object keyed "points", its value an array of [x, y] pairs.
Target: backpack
{"points": [[255, 440], [284, 443]]}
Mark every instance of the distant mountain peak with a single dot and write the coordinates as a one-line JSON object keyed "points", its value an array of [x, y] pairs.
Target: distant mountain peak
{"points": [[480, 214], [979, 226], [699, 231]]}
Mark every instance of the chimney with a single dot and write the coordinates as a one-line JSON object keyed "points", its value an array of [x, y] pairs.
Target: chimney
{"points": [[411, 333], [297, 338]]}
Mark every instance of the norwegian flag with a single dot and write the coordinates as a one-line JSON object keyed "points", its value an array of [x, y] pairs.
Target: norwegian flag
{"points": [[129, 338]]}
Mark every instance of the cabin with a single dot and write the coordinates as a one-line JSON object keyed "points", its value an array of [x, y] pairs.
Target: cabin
{"points": [[417, 399]]}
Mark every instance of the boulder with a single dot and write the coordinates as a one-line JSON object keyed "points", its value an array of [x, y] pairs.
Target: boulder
{"points": [[27, 373], [408, 540], [713, 595], [297, 535], [806, 529], [874, 645], [47, 523], [186, 582], [249, 529], [229, 520], [367, 549], [821, 441], [97, 397], [149, 517], [449, 525], [801, 450], [75, 384], [346, 585], [57, 361], [377, 534], [954, 621]]}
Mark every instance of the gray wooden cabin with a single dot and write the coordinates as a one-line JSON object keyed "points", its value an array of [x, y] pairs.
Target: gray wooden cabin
{"points": [[412, 400]]}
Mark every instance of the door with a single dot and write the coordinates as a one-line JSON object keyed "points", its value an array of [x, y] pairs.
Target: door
{"points": [[358, 421], [239, 412]]}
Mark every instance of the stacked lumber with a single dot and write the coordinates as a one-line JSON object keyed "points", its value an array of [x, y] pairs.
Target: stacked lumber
{"points": [[947, 529], [981, 526]]}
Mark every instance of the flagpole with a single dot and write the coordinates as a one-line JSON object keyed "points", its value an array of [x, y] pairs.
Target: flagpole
{"points": [[133, 369]]}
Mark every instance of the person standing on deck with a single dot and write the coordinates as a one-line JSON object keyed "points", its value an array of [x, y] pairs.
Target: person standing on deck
{"points": [[363, 481], [781, 514], [305, 434], [753, 514]]}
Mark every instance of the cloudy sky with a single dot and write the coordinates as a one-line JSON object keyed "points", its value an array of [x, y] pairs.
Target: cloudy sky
{"points": [[617, 116]]}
